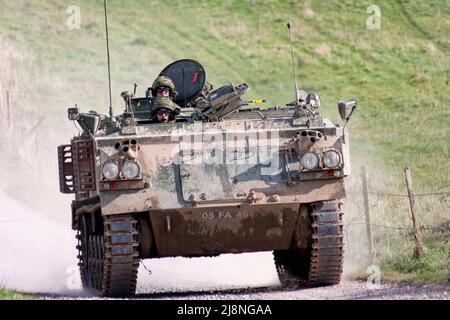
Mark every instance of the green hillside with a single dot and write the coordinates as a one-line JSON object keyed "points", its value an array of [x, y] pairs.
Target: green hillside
{"points": [[400, 73]]}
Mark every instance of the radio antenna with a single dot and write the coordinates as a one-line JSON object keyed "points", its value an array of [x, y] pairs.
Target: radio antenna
{"points": [[297, 94], [111, 113]]}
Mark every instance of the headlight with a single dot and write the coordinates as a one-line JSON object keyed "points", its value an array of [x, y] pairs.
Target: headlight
{"points": [[331, 159], [310, 161], [110, 171], [130, 170]]}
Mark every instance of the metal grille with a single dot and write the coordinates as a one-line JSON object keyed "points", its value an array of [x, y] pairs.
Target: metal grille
{"points": [[65, 164], [83, 165]]}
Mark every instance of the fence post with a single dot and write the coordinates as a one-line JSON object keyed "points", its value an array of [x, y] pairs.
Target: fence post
{"points": [[371, 251], [420, 249]]}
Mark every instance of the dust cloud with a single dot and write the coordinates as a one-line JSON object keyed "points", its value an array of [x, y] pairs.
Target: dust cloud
{"points": [[37, 253], [356, 257], [37, 245]]}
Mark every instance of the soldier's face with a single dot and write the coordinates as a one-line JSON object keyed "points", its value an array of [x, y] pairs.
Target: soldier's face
{"points": [[162, 92], [163, 115]]}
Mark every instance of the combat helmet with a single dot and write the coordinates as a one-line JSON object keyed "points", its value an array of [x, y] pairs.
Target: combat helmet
{"points": [[165, 103], [163, 81]]}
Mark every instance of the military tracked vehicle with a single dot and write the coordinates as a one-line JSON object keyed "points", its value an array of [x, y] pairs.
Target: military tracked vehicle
{"points": [[223, 177]]}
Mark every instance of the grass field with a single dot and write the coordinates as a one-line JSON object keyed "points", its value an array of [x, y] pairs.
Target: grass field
{"points": [[10, 295], [400, 74]]}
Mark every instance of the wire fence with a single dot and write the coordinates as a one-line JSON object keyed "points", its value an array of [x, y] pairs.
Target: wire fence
{"points": [[385, 219]]}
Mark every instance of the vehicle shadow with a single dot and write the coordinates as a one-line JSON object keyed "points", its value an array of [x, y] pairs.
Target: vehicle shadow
{"points": [[220, 293], [180, 293]]}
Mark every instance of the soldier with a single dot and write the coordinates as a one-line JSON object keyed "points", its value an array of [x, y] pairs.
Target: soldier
{"points": [[163, 87], [164, 110]]}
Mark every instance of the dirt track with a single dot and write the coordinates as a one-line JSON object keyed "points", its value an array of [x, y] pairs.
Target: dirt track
{"points": [[347, 290]]}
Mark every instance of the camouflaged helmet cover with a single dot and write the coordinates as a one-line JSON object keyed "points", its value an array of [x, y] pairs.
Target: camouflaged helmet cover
{"points": [[164, 103], [163, 81]]}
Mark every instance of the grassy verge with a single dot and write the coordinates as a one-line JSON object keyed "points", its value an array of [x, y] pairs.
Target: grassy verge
{"points": [[393, 235], [11, 295], [433, 267]]}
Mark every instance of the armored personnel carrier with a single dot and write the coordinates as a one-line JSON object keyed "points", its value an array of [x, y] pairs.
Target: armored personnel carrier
{"points": [[223, 177]]}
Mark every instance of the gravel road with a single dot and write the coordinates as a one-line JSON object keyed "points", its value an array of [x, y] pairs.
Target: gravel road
{"points": [[346, 290], [250, 277]]}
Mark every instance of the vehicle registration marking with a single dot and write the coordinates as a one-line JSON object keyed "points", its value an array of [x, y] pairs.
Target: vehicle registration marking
{"points": [[210, 215]]}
